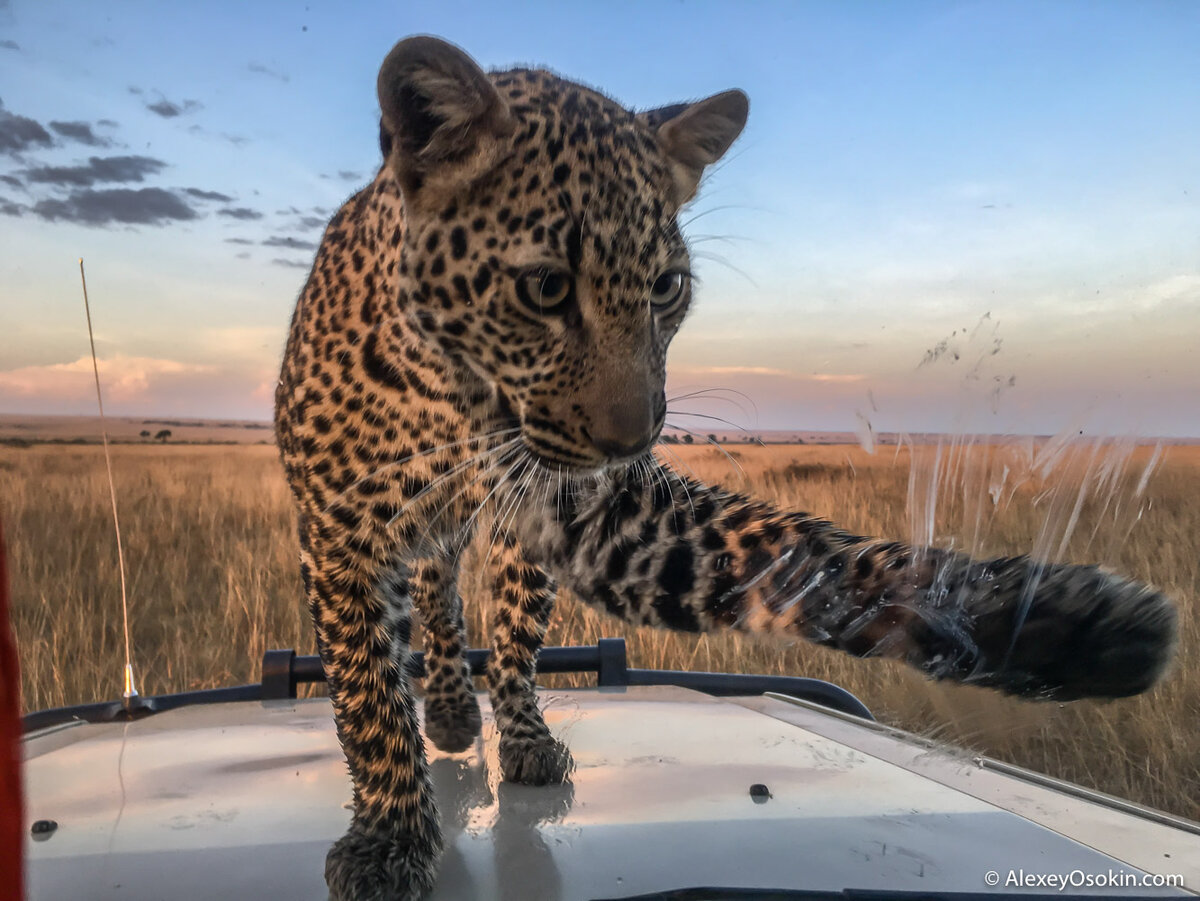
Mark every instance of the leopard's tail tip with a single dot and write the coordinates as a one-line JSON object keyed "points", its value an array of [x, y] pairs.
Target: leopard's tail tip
{"points": [[1072, 632]]}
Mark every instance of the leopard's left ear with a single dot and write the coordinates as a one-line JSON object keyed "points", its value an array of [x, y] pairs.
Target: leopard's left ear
{"points": [[696, 135]]}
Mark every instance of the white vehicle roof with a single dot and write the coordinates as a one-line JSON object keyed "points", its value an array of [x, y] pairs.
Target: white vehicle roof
{"points": [[242, 800]]}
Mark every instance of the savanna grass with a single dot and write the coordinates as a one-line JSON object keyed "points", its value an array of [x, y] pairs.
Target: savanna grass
{"points": [[213, 582]]}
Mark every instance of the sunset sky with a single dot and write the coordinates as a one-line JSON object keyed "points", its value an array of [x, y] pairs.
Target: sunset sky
{"points": [[942, 215]]}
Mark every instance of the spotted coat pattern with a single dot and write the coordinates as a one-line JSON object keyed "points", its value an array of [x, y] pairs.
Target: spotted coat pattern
{"points": [[482, 340]]}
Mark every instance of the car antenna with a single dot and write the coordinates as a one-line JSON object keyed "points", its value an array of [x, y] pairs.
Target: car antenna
{"points": [[129, 699]]}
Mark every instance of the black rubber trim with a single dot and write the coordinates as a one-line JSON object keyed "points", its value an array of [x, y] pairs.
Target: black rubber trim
{"points": [[284, 670]]}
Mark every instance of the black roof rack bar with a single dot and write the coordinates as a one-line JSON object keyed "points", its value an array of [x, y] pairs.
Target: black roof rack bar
{"points": [[734, 684], [607, 659], [284, 670]]}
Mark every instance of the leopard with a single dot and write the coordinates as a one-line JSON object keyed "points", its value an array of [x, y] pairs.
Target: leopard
{"points": [[480, 347]]}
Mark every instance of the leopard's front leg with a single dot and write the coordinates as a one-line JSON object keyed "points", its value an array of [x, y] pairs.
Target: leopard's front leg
{"points": [[363, 615], [452, 720], [525, 600]]}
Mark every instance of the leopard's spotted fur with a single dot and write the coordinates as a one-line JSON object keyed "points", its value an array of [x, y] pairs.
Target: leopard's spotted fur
{"points": [[423, 381]]}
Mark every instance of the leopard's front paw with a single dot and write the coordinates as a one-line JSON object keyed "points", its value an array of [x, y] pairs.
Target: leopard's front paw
{"points": [[538, 760], [452, 722], [383, 865]]}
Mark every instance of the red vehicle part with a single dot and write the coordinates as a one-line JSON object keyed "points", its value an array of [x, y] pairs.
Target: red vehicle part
{"points": [[11, 809]]}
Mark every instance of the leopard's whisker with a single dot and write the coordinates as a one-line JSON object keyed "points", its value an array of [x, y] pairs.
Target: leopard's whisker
{"points": [[509, 503], [728, 265], [521, 491], [466, 531], [558, 494], [713, 209], [550, 482], [739, 399], [511, 462], [450, 473], [714, 391], [640, 470], [391, 464], [677, 460], [726, 239], [716, 444], [514, 467], [659, 482], [679, 479], [720, 419]]}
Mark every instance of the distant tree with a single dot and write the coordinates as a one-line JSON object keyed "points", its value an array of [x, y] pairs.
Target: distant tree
{"points": [[712, 439], [687, 439], [162, 435], [670, 439], [144, 433]]}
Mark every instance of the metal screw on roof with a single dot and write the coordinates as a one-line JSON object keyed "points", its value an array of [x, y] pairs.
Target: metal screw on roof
{"points": [[760, 793], [43, 829]]}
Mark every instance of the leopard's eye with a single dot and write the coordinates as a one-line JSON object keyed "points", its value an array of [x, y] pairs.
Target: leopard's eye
{"points": [[545, 290], [667, 291]]}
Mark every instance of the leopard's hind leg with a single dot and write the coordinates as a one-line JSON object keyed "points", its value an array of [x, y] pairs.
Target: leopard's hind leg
{"points": [[525, 600], [452, 720]]}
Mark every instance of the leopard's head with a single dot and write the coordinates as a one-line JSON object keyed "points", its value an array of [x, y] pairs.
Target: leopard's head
{"points": [[543, 250]]}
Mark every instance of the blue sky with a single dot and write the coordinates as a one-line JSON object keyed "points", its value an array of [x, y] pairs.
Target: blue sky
{"points": [[1017, 180]]}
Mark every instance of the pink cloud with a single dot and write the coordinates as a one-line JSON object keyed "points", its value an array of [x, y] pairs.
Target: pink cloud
{"points": [[123, 379], [139, 385]]}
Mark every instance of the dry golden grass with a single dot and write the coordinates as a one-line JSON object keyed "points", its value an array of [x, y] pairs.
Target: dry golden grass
{"points": [[213, 582]]}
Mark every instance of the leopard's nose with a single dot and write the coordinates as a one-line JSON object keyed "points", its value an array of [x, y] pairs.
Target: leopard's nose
{"points": [[622, 429]]}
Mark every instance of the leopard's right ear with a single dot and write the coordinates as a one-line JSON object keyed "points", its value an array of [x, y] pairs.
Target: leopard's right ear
{"points": [[446, 120]]}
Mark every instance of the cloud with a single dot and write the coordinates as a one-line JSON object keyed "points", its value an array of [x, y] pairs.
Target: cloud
{"points": [[12, 181], [839, 377], [200, 194], [746, 370], [20, 133], [169, 110], [10, 45], [347, 175], [235, 140], [240, 212], [8, 208], [237, 342], [238, 241], [290, 264], [107, 123], [769, 371], [143, 206], [260, 69], [313, 222], [123, 378], [81, 132], [1174, 289], [289, 242], [98, 168]]}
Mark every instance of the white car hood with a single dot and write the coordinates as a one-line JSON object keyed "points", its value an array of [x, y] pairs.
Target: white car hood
{"points": [[243, 800]]}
